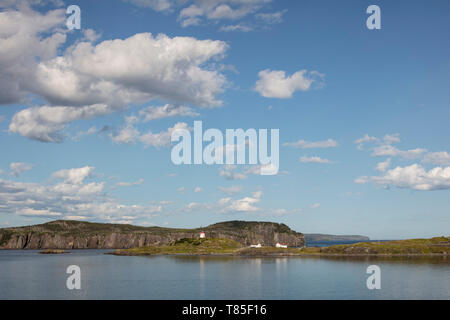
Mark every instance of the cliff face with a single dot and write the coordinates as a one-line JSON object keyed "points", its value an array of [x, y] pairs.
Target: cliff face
{"points": [[84, 235]]}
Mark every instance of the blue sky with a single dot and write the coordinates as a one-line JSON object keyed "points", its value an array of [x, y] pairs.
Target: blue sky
{"points": [[86, 114]]}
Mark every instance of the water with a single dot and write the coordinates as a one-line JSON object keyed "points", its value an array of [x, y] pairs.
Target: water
{"points": [[30, 275]]}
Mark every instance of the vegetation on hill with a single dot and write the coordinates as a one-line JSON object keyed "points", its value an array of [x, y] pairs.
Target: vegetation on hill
{"points": [[433, 246], [438, 245], [186, 246], [66, 234]]}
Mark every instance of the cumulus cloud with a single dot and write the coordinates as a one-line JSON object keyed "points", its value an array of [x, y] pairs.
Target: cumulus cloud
{"points": [[198, 189], [384, 148], [230, 205], [276, 84], [26, 36], [440, 158], [388, 150], [17, 168], [47, 122], [314, 159], [302, 144], [69, 196], [412, 177], [163, 68], [75, 175], [87, 80], [198, 12]]}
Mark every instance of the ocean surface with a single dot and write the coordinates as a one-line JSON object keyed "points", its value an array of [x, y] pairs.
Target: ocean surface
{"points": [[30, 275]]}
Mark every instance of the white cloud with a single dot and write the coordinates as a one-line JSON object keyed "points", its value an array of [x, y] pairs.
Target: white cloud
{"points": [[413, 177], [271, 18], [314, 159], [75, 175], [129, 184], [384, 147], [232, 190], [388, 139], [199, 12], [157, 5], [302, 144], [166, 111], [236, 27], [315, 206], [198, 189], [440, 158], [26, 36], [276, 84], [384, 165], [127, 134], [391, 138], [88, 80], [230, 172], [88, 132], [47, 122], [162, 68], [388, 150], [360, 142], [43, 213], [17, 168], [70, 198], [163, 138]]}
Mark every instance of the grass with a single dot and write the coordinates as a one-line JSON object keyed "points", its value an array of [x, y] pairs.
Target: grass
{"points": [[5, 236], [53, 251], [186, 246], [438, 245]]}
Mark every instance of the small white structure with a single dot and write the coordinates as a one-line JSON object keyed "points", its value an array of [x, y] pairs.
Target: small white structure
{"points": [[255, 245], [202, 235], [281, 245]]}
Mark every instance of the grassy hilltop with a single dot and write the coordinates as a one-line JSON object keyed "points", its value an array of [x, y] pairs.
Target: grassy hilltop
{"points": [[433, 246]]}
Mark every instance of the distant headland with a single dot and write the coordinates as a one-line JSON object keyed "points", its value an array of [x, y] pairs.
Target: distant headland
{"points": [[244, 238]]}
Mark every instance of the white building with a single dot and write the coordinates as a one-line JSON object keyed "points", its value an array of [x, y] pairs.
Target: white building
{"points": [[255, 245], [202, 235], [281, 245]]}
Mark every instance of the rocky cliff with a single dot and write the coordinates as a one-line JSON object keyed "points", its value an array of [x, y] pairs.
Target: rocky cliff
{"points": [[65, 234]]}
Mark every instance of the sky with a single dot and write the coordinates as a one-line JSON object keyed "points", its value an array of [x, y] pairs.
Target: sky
{"points": [[86, 115]]}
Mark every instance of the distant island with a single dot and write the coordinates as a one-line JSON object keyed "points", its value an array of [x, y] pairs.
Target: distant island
{"points": [[67, 234], [244, 238], [318, 237], [214, 246]]}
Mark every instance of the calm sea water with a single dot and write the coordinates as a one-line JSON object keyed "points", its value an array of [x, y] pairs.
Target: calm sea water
{"points": [[30, 275]]}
